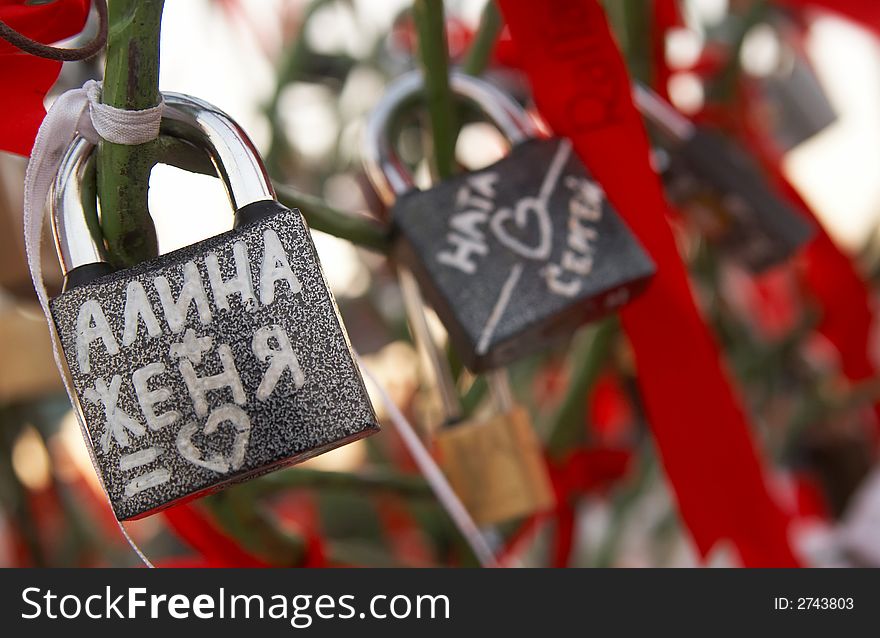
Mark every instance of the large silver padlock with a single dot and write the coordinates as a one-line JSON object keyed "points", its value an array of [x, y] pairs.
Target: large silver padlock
{"points": [[213, 363]]}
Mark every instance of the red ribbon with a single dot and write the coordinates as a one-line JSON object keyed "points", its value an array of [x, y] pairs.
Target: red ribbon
{"points": [[845, 298], [581, 472], [299, 510], [25, 78], [846, 311], [582, 89], [202, 534], [865, 12], [588, 470], [609, 412], [405, 536]]}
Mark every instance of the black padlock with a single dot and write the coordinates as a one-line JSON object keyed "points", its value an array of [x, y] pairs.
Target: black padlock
{"points": [[721, 186], [211, 364], [791, 98], [512, 256], [797, 103]]}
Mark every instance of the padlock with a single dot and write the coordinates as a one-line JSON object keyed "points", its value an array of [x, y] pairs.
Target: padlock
{"points": [[495, 464], [513, 256], [791, 101], [496, 467], [795, 102], [723, 189], [211, 364]]}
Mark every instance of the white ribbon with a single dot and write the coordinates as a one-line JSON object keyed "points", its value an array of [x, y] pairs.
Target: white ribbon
{"points": [[76, 111]]}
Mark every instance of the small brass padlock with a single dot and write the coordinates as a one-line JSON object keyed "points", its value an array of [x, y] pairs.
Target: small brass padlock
{"points": [[494, 464], [496, 467], [514, 256], [214, 363]]}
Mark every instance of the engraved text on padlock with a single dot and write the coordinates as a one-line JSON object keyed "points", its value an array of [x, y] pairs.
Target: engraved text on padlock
{"points": [[215, 362], [519, 253]]}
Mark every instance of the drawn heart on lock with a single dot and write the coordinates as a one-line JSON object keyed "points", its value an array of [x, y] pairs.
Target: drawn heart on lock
{"points": [[511, 228], [226, 413]]}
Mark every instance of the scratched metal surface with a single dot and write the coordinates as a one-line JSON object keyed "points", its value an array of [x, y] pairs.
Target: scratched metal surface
{"points": [[291, 424], [529, 223]]}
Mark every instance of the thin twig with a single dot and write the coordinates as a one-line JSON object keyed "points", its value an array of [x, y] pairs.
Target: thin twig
{"points": [[434, 59], [293, 62], [319, 215], [131, 81], [569, 419]]}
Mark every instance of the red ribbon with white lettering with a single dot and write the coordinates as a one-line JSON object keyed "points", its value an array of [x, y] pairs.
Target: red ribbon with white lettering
{"points": [[582, 89]]}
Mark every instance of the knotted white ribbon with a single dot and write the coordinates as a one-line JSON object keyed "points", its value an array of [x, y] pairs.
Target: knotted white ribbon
{"points": [[76, 111]]}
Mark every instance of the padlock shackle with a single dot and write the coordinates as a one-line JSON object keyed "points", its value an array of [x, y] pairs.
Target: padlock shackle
{"points": [[386, 171], [74, 242], [414, 305], [206, 127], [235, 158], [390, 178]]}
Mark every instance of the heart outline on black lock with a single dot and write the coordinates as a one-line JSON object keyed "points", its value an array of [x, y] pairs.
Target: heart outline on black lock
{"points": [[238, 392], [532, 232]]}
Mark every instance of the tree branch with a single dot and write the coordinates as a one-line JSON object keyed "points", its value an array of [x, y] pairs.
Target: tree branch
{"points": [[131, 81], [358, 229], [434, 57], [480, 53]]}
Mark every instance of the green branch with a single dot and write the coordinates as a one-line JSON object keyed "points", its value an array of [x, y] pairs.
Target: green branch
{"points": [[358, 229], [631, 23], [239, 516], [434, 58], [569, 419], [480, 53], [724, 86], [293, 62], [373, 482], [131, 81]]}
